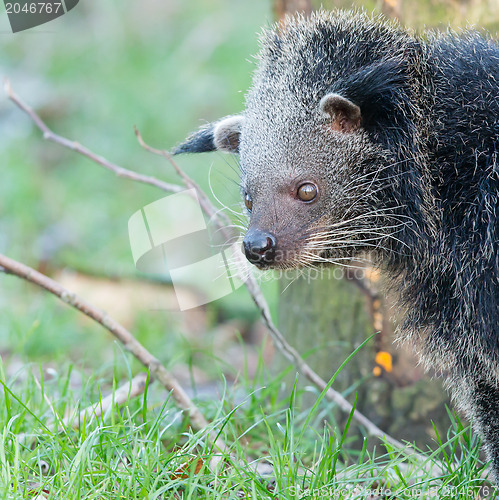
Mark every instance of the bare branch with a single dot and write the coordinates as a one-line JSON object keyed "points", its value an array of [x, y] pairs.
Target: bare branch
{"points": [[130, 343], [120, 396], [75, 146]]}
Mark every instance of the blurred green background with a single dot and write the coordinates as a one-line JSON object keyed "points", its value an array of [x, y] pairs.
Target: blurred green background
{"points": [[94, 74]]}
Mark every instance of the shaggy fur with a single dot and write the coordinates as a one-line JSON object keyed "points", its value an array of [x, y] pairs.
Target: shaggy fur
{"points": [[415, 182]]}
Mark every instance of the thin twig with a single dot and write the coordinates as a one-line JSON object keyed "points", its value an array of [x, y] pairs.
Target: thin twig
{"points": [[131, 389], [131, 344], [207, 206], [283, 346], [75, 146], [120, 396]]}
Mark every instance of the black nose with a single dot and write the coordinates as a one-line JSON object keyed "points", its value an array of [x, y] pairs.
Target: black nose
{"points": [[259, 247]]}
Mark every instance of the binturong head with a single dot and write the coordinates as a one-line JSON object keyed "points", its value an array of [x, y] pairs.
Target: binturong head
{"points": [[320, 141]]}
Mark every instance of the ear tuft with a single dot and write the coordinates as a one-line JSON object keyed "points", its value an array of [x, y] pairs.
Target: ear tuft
{"points": [[222, 135], [198, 142], [344, 114]]}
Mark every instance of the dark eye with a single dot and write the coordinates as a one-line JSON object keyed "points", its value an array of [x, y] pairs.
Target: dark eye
{"points": [[248, 202], [307, 191]]}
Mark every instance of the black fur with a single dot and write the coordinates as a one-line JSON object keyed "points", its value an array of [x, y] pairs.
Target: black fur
{"points": [[200, 142]]}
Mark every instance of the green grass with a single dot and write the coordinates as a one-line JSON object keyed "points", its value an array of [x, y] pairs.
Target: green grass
{"points": [[145, 449]]}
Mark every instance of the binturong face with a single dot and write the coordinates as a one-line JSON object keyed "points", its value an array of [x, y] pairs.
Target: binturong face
{"points": [[320, 161], [297, 181], [301, 170], [308, 180]]}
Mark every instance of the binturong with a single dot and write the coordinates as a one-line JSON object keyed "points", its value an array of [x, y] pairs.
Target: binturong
{"points": [[358, 138]]}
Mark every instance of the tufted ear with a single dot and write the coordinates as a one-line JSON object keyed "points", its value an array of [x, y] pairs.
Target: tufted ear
{"points": [[222, 135], [344, 114]]}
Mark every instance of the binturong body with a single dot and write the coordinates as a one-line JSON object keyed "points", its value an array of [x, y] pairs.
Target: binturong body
{"points": [[358, 137]]}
